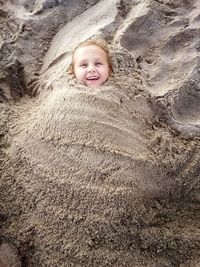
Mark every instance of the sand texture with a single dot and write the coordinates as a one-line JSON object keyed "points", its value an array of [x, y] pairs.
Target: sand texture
{"points": [[107, 176]]}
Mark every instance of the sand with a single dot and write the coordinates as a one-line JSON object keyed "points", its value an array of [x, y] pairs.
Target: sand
{"points": [[106, 176]]}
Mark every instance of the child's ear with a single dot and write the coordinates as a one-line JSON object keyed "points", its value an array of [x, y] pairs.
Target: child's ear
{"points": [[110, 71], [70, 69]]}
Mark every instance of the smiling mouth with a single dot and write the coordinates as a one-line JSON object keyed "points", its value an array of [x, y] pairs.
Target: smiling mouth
{"points": [[94, 78]]}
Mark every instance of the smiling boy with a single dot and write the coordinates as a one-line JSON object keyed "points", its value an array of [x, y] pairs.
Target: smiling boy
{"points": [[91, 63]]}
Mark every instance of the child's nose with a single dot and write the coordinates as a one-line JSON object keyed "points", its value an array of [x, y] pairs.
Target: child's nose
{"points": [[91, 68]]}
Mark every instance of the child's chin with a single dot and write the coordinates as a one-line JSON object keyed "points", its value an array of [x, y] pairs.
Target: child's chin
{"points": [[93, 84]]}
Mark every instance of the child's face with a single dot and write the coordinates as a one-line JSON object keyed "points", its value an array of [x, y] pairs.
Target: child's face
{"points": [[91, 65]]}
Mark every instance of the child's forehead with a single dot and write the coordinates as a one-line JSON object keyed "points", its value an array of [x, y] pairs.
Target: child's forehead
{"points": [[89, 48]]}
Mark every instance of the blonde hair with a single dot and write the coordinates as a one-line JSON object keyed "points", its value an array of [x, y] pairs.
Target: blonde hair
{"points": [[99, 43]]}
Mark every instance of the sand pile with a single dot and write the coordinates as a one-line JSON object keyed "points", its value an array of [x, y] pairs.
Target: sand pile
{"points": [[104, 177]]}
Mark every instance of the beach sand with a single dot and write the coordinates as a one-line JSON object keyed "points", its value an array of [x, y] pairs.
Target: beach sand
{"points": [[106, 176]]}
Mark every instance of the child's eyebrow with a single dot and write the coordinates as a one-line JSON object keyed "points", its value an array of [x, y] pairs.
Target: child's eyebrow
{"points": [[82, 60]]}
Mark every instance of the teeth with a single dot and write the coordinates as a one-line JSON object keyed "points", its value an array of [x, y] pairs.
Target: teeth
{"points": [[92, 78]]}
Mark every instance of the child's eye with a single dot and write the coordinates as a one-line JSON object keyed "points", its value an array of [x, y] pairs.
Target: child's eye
{"points": [[98, 64], [83, 65]]}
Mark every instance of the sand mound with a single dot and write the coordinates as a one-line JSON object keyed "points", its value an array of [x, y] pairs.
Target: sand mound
{"points": [[104, 177]]}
